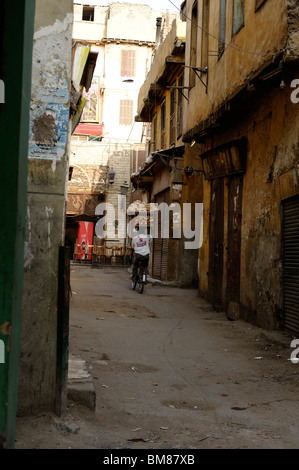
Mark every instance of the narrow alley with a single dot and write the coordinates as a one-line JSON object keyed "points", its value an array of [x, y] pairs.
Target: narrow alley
{"points": [[163, 132], [169, 373]]}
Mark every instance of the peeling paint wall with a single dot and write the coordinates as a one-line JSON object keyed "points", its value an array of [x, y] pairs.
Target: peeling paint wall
{"points": [[272, 175], [47, 169], [177, 31], [264, 33], [262, 113]]}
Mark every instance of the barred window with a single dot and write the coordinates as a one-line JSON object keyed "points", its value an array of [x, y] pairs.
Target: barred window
{"points": [[127, 63], [126, 112]]}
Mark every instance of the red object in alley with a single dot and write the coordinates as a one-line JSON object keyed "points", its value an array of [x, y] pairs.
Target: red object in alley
{"points": [[84, 240], [95, 130]]}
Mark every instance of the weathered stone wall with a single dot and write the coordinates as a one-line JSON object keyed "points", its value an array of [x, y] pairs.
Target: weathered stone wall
{"points": [[90, 178], [92, 162], [177, 31], [47, 173], [272, 172], [90, 30], [265, 32], [292, 51]]}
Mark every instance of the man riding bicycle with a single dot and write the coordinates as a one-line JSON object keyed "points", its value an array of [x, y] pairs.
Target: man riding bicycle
{"points": [[140, 245]]}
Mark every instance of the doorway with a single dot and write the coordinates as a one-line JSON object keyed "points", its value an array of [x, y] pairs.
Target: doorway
{"points": [[228, 297], [216, 232]]}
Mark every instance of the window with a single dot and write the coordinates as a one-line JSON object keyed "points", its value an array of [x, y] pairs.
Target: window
{"points": [[222, 22], [193, 45], [88, 14], [163, 117], [180, 106], [126, 112], [127, 63], [238, 15], [154, 134], [205, 33], [172, 116], [71, 169]]}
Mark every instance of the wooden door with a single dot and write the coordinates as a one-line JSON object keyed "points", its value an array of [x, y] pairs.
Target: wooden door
{"points": [[216, 244], [235, 191]]}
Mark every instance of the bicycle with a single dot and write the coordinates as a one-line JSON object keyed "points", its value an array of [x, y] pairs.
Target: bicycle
{"points": [[140, 279]]}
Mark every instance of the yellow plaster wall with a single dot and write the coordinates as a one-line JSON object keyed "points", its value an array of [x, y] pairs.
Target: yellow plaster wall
{"points": [[265, 32], [266, 183]]}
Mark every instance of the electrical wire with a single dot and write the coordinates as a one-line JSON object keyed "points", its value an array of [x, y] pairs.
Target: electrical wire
{"points": [[215, 37]]}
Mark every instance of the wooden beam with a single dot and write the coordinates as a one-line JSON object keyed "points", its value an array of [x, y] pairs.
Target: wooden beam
{"points": [[172, 59]]}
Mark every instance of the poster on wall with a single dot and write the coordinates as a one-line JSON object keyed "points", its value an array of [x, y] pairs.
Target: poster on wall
{"points": [[49, 119], [84, 241]]}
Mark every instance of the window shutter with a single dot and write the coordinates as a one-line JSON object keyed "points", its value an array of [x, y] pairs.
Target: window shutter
{"points": [[126, 112], [127, 63]]}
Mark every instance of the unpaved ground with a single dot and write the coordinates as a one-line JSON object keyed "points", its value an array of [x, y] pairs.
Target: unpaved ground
{"points": [[169, 373]]}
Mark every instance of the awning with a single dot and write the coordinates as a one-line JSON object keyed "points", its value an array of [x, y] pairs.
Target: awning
{"points": [[84, 63], [155, 162], [95, 130], [79, 62]]}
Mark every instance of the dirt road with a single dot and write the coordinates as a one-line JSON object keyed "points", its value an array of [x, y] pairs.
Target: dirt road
{"points": [[169, 373]]}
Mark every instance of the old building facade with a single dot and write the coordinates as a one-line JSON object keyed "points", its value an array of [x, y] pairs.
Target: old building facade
{"points": [[14, 126], [170, 174], [48, 160], [242, 116], [107, 140], [38, 83]]}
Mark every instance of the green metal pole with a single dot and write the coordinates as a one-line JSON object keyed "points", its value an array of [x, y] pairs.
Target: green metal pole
{"points": [[16, 42]]}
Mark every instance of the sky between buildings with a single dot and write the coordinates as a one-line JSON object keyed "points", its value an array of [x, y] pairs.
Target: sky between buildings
{"points": [[161, 5]]}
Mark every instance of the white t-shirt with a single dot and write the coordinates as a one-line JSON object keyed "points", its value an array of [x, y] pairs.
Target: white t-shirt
{"points": [[140, 244]]}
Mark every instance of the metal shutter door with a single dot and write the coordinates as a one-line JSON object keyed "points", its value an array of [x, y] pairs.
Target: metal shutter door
{"points": [[160, 244], [165, 241], [157, 249], [291, 264]]}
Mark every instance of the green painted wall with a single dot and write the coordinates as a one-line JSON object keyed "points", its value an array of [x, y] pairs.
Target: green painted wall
{"points": [[16, 39], [47, 177]]}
